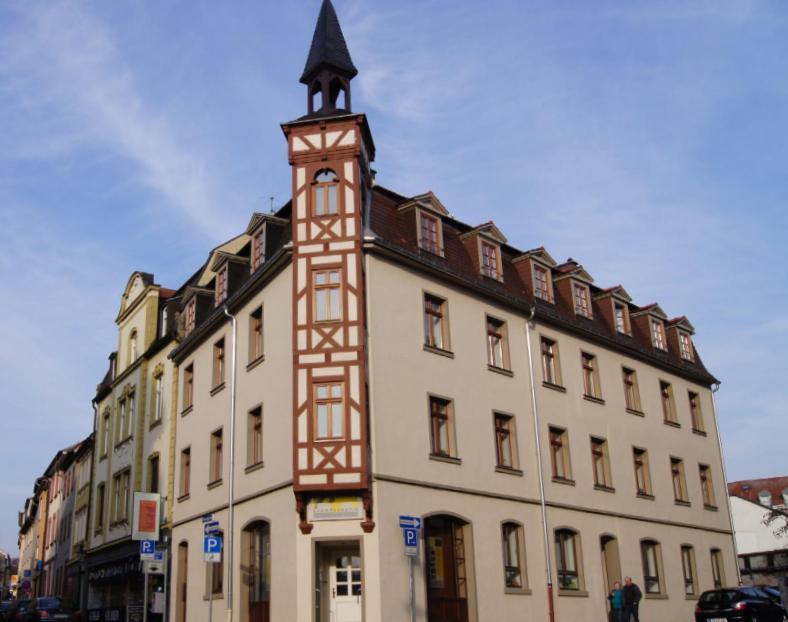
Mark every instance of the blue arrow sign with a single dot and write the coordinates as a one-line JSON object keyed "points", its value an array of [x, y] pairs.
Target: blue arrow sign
{"points": [[410, 522], [211, 528], [206, 518]]}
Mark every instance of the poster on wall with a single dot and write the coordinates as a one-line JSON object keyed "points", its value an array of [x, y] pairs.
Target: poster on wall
{"points": [[435, 562], [145, 525]]}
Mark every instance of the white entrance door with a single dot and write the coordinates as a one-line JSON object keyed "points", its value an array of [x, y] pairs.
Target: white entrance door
{"points": [[345, 579]]}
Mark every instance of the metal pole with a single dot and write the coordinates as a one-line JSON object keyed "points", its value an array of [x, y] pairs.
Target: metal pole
{"points": [[210, 598], [166, 581], [231, 511], [411, 563], [542, 504], [145, 597], [715, 388]]}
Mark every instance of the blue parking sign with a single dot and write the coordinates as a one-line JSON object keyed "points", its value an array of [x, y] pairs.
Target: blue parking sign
{"points": [[147, 547], [411, 538], [212, 547]]}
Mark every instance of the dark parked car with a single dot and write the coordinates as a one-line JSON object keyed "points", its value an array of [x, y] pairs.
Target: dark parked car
{"points": [[4, 606], [17, 609], [743, 604], [47, 608]]}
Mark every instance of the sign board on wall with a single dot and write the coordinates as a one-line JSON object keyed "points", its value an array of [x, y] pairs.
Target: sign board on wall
{"points": [[145, 525], [335, 508]]}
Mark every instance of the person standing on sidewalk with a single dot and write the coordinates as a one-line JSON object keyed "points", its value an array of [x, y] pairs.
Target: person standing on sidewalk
{"points": [[632, 596], [616, 598]]}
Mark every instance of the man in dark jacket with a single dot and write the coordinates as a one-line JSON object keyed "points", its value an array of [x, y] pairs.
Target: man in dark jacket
{"points": [[632, 596]]}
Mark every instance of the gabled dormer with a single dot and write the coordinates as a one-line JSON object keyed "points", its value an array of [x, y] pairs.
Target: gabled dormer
{"points": [[680, 332], [649, 325], [484, 246], [136, 319], [264, 230], [613, 305], [231, 271], [197, 305], [427, 213], [573, 288], [535, 268]]}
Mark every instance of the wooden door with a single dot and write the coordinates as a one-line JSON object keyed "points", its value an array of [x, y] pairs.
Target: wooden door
{"points": [[447, 589]]}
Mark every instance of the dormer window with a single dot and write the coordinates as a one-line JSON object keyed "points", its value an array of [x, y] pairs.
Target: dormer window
{"points": [[685, 346], [325, 193], [542, 287], [491, 261], [658, 335], [430, 234], [622, 318], [582, 300], [258, 248], [221, 285], [163, 323], [190, 311]]}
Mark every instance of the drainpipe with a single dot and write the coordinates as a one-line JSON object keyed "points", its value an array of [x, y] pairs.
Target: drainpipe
{"points": [[231, 504], [545, 533], [714, 388]]}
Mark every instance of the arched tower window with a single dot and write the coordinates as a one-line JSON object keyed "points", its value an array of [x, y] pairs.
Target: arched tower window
{"points": [[324, 193], [133, 346]]}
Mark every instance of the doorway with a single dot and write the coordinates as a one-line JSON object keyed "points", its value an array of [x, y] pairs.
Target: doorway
{"points": [[447, 569], [611, 563], [256, 572], [183, 582], [340, 591]]}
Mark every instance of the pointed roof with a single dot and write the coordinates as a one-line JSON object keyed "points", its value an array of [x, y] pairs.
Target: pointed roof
{"points": [[328, 46]]}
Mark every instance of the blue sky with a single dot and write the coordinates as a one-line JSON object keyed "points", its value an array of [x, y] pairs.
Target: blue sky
{"points": [[645, 140]]}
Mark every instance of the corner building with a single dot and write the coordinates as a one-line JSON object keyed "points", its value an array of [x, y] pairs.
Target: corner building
{"points": [[361, 354]]}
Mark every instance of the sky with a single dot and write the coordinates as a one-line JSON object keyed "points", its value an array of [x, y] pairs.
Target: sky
{"points": [[646, 140]]}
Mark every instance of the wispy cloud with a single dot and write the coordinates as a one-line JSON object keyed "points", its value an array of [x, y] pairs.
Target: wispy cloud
{"points": [[63, 60]]}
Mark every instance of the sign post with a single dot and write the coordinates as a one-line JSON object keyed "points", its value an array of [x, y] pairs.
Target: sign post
{"points": [[410, 534]]}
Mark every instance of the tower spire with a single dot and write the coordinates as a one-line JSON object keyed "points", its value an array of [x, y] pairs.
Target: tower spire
{"points": [[329, 68]]}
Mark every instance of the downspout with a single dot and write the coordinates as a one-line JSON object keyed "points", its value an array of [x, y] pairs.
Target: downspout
{"points": [[231, 503], [716, 387], [543, 506]]}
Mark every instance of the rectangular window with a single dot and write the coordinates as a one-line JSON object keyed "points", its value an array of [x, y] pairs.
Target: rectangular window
{"points": [[130, 416], [221, 285], [668, 405], [153, 474], [120, 491], [256, 334], [642, 472], [688, 569], [591, 387], [329, 411], [650, 553], [490, 260], [254, 436], [442, 427], [325, 193], [497, 347], [328, 305], [559, 454], [658, 335], [100, 501], [258, 248], [679, 481], [186, 472], [601, 463], [512, 536], [685, 346], [551, 370], [158, 403], [218, 363], [631, 390], [105, 433], [542, 289], [717, 569], [566, 552], [706, 486], [504, 441], [582, 300], [695, 412], [217, 460], [435, 322], [429, 239], [191, 316], [622, 318], [188, 386], [120, 428]]}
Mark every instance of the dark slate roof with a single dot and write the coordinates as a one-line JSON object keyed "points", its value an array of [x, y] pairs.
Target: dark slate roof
{"points": [[328, 46]]}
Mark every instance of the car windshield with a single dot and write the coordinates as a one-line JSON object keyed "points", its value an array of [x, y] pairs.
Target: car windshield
{"points": [[719, 598]]}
